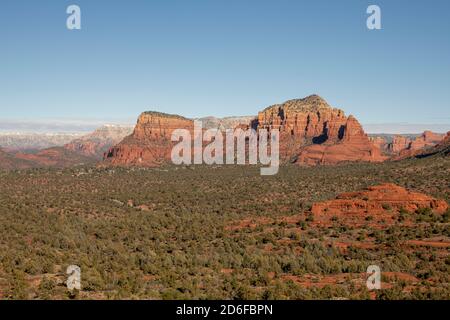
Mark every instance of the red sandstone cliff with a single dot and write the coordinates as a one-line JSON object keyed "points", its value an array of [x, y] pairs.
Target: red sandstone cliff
{"points": [[442, 148], [403, 148], [312, 132], [427, 139], [399, 143], [379, 142], [150, 143]]}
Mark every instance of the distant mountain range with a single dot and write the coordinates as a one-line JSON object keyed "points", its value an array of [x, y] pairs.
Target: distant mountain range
{"points": [[17, 141], [98, 142], [22, 151]]}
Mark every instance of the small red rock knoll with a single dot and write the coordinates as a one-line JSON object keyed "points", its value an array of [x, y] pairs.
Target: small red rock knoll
{"points": [[384, 200]]}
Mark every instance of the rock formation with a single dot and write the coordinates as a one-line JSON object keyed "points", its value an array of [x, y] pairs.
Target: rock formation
{"points": [[403, 147], [100, 141], [442, 148], [383, 201], [312, 132], [379, 142], [150, 143], [399, 143], [427, 139]]}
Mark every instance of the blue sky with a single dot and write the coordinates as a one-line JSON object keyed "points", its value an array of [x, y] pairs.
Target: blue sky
{"points": [[224, 57]]}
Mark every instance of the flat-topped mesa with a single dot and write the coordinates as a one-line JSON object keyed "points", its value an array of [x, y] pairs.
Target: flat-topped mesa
{"points": [[150, 143], [156, 125]]}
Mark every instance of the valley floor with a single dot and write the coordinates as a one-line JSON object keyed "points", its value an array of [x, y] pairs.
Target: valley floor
{"points": [[218, 232]]}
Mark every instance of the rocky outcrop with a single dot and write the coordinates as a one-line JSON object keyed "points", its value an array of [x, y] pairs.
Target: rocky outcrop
{"points": [[382, 201], [379, 142], [304, 120], [312, 132], [427, 139], [150, 143], [399, 143], [404, 147], [100, 141], [442, 148]]}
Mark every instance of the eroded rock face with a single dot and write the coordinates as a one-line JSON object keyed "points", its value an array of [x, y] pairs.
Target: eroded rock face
{"points": [[379, 142], [399, 143], [442, 148], [403, 147], [97, 143], [301, 122], [427, 139], [383, 201], [312, 132], [150, 143]]}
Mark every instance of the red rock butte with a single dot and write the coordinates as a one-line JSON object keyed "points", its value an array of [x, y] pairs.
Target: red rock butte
{"points": [[312, 132], [150, 143]]}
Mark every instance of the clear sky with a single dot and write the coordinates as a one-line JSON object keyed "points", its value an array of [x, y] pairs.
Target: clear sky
{"points": [[224, 57]]}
